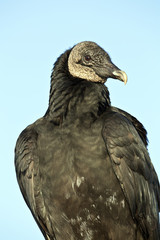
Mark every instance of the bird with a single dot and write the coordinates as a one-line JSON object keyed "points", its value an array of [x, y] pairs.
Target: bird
{"points": [[83, 168]]}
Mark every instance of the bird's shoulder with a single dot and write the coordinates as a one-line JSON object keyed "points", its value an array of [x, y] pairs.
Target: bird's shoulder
{"points": [[27, 145], [26, 142], [124, 141], [25, 148], [136, 123]]}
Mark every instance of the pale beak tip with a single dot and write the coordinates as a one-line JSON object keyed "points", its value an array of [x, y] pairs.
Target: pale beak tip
{"points": [[121, 75], [125, 78]]}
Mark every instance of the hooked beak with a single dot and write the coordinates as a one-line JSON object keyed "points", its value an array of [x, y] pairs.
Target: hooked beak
{"points": [[121, 75]]}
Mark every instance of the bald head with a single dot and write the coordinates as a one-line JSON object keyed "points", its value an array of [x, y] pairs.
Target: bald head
{"points": [[89, 61]]}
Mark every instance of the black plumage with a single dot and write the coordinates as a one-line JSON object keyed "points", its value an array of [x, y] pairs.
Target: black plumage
{"points": [[84, 169]]}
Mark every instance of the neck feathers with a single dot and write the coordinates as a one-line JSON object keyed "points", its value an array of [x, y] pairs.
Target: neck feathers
{"points": [[70, 95]]}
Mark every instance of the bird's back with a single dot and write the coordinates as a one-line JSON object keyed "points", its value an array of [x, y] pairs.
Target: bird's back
{"points": [[83, 198]]}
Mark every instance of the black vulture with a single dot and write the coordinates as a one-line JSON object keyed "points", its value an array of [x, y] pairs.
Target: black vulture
{"points": [[84, 168]]}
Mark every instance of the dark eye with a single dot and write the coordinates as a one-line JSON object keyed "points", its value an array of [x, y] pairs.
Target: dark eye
{"points": [[87, 58]]}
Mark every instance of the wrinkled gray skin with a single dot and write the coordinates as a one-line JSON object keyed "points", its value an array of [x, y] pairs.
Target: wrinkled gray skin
{"points": [[84, 169]]}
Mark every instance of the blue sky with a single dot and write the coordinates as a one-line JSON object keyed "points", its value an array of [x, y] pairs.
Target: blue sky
{"points": [[33, 34]]}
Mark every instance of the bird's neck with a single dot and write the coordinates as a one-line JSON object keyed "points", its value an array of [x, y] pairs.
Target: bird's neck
{"points": [[74, 96]]}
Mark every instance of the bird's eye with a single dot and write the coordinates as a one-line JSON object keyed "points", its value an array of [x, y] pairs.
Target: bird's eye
{"points": [[87, 58]]}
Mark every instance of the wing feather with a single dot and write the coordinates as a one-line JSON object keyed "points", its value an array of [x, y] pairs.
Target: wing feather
{"points": [[134, 170], [27, 170]]}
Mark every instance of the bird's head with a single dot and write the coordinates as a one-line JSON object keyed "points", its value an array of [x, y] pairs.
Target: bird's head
{"points": [[89, 61]]}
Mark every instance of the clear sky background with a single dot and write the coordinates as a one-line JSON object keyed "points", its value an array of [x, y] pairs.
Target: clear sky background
{"points": [[32, 35]]}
